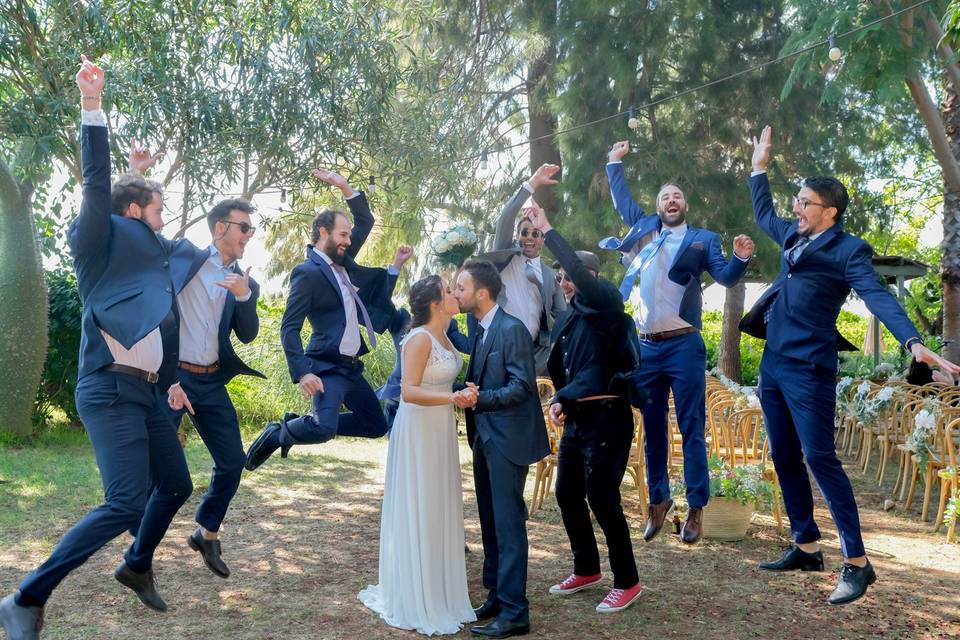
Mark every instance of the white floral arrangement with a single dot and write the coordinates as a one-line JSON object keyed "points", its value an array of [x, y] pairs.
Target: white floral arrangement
{"points": [[455, 245], [924, 426]]}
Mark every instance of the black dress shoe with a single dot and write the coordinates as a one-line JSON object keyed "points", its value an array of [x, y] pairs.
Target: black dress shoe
{"points": [[853, 583], [210, 551], [263, 447], [488, 609], [20, 623], [501, 629], [656, 514], [796, 558], [142, 584]]}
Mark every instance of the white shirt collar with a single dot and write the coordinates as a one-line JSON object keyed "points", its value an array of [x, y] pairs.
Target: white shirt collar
{"points": [[325, 257], [533, 261], [217, 257], [677, 231], [487, 320]]}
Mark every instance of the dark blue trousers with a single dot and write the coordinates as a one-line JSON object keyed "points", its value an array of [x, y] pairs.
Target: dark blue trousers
{"points": [[503, 529], [680, 364], [216, 421], [342, 385], [132, 438], [798, 400]]}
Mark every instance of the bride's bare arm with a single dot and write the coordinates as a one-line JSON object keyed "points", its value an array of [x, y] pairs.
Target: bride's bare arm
{"points": [[416, 353]]}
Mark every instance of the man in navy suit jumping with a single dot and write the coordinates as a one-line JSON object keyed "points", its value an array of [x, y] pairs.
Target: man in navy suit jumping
{"points": [[797, 315]]}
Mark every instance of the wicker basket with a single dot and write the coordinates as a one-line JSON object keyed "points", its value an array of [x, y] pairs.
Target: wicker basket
{"points": [[726, 519]]}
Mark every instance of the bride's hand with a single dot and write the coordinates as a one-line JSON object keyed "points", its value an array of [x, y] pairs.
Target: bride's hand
{"points": [[557, 416]]}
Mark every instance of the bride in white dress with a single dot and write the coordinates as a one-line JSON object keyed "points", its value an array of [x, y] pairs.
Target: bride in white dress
{"points": [[422, 576]]}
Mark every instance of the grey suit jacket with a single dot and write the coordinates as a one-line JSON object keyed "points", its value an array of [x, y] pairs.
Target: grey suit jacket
{"points": [[504, 249]]}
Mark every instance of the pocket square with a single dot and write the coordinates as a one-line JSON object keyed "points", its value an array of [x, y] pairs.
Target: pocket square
{"points": [[696, 245]]}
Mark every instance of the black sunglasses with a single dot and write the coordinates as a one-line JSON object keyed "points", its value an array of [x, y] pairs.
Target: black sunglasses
{"points": [[245, 227], [533, 233]]}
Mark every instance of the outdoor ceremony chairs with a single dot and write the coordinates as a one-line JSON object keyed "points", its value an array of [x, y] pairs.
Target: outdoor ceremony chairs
{"points": [[949, 478], [636, 463]]}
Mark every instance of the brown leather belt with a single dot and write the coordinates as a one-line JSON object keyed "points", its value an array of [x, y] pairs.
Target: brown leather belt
{"points": [[666, 335], [149, 376], [200, 368], [351, 360]]}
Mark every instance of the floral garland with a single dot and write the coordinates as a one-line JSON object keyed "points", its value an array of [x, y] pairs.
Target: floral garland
{"points": [[868, 411], [925, 425]]}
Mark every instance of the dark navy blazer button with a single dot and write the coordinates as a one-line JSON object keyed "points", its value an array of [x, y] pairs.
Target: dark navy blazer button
{"points": [[169, 290], [166, 263]]}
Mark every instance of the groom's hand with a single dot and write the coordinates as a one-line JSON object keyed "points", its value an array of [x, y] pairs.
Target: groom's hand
{"points": [[557, 416]]}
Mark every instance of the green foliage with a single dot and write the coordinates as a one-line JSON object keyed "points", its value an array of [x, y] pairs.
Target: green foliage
{"points": [[63, 355], [744, 483], [751, 349]]}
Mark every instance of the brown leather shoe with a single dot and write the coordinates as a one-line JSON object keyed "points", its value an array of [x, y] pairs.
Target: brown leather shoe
{"points": [[656, 515], [693, 527]]}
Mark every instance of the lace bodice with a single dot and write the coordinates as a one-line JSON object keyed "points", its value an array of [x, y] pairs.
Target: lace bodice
{"points": [[443, 366]]}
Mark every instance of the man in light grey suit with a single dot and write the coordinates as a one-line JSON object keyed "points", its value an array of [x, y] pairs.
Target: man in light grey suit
{"points": [[530, 290]]}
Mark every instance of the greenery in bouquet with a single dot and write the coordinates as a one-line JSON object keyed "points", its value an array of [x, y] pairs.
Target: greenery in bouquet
{"points": [[868, 410], [924, 426], [455, 245]]}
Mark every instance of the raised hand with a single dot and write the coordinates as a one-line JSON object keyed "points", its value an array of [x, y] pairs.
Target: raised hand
{"points": [[140, 158], [538, 219], [618, 150], [923, 354], [761, 149], [404, 253], [238, 285], [743, 246], [177, 398], [334, 179], [90, 81], [544, 175], [557, 415], [309, 385]]}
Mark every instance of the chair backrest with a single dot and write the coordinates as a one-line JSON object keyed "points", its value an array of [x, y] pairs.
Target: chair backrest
{"points": [[545, 390], [744, 437]]}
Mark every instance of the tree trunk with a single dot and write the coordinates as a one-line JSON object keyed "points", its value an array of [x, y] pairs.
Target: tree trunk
{"points": [[950, 264], [540, 87], [24, 311], [728, 359]]}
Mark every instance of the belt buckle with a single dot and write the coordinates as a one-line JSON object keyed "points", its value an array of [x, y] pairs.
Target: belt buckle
{"points": [[152, 377]]}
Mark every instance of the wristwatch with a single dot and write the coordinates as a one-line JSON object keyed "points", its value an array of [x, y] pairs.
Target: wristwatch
{"points": [[910, 342]]}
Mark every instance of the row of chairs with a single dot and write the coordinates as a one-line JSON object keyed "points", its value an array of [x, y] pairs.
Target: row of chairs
{"points": [[887, 435]]}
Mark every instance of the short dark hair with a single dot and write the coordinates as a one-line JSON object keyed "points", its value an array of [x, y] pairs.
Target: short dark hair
{"points": [[326, 219], [221, 210], [485, 276], [130, 188], [831, 191], [423, 294]]}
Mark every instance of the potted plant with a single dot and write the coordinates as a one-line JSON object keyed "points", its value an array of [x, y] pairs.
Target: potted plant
{"points": [[734, 492]]}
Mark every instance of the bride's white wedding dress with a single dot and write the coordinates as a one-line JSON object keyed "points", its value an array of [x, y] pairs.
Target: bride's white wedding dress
{"points": [[423, 576]]}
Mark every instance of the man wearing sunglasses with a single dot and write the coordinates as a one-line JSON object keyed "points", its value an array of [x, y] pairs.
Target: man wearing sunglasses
{"points": [[530, 292], [665, 260], [797, 315]]}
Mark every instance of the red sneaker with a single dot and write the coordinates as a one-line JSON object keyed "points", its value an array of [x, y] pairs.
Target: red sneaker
{"points": [[619, 599], [575, 583]]}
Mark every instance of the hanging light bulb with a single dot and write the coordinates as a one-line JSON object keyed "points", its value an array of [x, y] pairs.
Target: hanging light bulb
{"points": [[483, 160], [371, 184], [283, 194], [835, 51], [633, 121]]}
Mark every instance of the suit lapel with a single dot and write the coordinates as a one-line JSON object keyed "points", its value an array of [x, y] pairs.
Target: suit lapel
{"points": [[817, 244], [484, 348], [325, 270], [688, 239]]}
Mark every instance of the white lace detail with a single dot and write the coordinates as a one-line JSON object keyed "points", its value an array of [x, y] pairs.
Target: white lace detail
{"points": [[443, 366]]}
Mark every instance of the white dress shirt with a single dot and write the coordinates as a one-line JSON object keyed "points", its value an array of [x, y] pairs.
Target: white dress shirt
{"points": [[487, 320], [524, 299], [147, 354], [201, 305], [655, 297], [350, 343]]}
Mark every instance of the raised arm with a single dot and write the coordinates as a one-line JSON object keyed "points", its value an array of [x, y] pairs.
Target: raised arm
{"points": [[729, 273], [246, 323], [89, 233], [623, 202], [359, 208], [763, 210], [507, 221]]}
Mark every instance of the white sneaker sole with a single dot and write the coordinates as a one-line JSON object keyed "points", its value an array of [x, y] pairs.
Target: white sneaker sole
{"points": [[557, 591], [603, 609]]}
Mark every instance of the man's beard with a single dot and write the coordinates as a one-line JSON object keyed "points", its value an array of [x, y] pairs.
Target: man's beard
{"points": [[330, 248]]}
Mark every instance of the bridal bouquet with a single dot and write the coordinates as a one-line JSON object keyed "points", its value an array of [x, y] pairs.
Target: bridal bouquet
{"points": [[455, 245]]}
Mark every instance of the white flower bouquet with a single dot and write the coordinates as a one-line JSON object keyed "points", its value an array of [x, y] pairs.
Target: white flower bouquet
{"points": [[455, 245]]}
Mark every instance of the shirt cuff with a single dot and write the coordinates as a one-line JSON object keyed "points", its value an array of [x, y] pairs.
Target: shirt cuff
{"points": [[93, 118], [392, 270], [526, 185], [614, 162], [244, 298], [741, 259], [756, 173], [355, 194]]}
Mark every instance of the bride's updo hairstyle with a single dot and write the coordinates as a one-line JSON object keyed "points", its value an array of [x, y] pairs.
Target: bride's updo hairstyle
{"points": [[424, 293]]}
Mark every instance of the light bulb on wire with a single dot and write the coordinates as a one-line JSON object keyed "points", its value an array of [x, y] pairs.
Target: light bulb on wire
{"points": [[835, 52], [633, 121], [483, 160], [372, 184]]}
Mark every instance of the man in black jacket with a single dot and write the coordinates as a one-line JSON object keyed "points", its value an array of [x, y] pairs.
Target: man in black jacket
{"points": [[593, 341]]}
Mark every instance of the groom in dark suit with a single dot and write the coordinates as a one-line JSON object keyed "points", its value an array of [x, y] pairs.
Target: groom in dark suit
{"points": [[506, 431]]}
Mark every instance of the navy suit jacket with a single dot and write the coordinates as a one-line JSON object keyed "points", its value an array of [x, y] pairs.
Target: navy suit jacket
{"points": [[315, 296], [239, 317], [127, 275], [508, 408], [699, 252], [809, 294]]}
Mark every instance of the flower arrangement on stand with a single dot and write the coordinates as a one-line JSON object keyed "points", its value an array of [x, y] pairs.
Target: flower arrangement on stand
{"points": [[454, 245], [925, 425]]}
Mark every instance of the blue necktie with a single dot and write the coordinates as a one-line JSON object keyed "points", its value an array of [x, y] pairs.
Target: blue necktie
{"points": [[793, 253], [643, 258]]}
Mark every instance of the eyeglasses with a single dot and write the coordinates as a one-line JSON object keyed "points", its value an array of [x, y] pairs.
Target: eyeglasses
{"points": [[533, 233], [803, 203], [245, 227], [563, 277]]}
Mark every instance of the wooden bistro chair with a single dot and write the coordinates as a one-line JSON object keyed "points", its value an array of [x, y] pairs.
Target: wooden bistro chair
{"points": [[637, 463], [543, 477], [745, 442]]}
